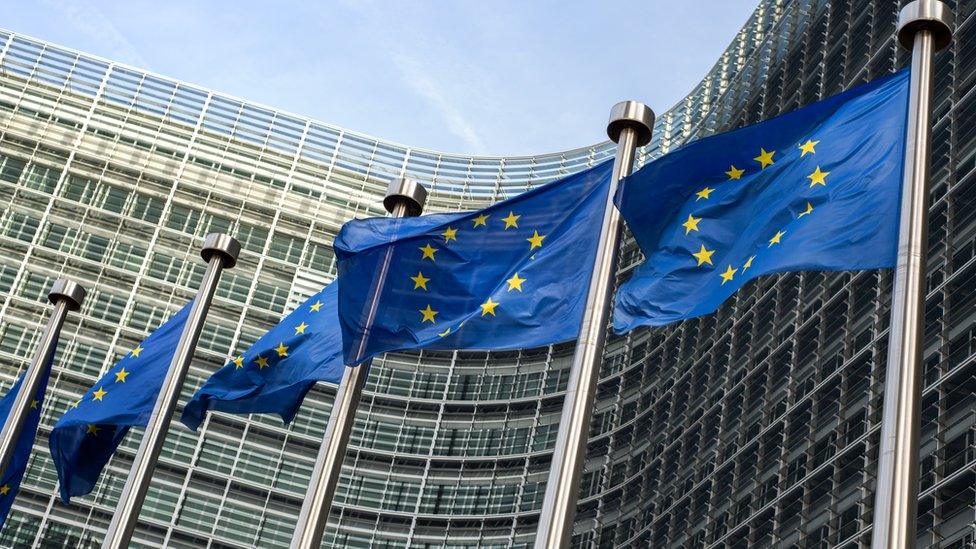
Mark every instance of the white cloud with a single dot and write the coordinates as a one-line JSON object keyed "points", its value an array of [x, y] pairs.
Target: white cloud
{"points": [[90, 21], [418, 80]]}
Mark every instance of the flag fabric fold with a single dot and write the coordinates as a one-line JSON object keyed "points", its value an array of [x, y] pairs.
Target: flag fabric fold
{"points": [[818, 188], [10, 483], [279, 369], [510, 276], [87, 435]]}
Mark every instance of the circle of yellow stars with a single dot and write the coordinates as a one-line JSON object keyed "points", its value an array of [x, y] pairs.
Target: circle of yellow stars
{"points": [[765, 159], [428, 252], [99, 394]]}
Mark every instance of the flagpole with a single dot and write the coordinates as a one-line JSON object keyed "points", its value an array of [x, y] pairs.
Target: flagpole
{"points": [[220, 251], [66, 295], [630, 126], [924, 27], [405, 197]]}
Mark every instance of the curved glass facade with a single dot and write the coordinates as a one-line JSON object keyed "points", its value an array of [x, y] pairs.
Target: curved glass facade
{"points": [[756, 426]]}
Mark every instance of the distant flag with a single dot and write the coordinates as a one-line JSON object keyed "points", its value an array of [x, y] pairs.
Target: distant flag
{"points": [[86, 436], [814, 189], [10, 483], [274, 375], [510, 276]]}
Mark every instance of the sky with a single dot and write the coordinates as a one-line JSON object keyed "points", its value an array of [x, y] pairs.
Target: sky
{"points": [[495, 77]]}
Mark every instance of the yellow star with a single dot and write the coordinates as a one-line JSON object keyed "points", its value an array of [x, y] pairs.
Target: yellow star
{"points": [[807, 148], [535, 240], [445, 333], [691, 224], [818, 177], [765, 158], [239, 362], [34, 404], [776, 238], [420, 281], [480, 221], [703, 256], [449, 234], [704, 193], [748, 263], [300, 329], [136, 351], [488, 307], [281, 350], [428, 252], [262, 362], [511, 220], [728, 274], [4, 490], [97, 395], [121, 375], [808, 211], [93, 429], [316, 306], [515, 283], [734, 173], [429, 314]]}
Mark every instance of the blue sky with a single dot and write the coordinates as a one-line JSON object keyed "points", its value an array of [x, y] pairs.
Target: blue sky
{"points": [[492, 77]]}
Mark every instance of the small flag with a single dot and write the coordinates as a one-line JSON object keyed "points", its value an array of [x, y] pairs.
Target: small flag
{"points": [[510, 276], [86, 436], [10, 483], [274, 375], [815, 189]]}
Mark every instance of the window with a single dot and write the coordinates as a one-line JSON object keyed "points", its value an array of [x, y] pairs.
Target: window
{"points": [[11, 168], [42, 178], [286, 247], [147, 208], [21, 226]]}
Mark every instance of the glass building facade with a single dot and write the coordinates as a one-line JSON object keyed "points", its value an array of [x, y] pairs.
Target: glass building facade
{"points": [[754, 427]]}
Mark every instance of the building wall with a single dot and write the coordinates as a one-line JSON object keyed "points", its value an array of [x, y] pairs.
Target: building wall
{"points": [[756, 426]]}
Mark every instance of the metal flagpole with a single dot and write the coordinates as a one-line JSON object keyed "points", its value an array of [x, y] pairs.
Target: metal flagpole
{"points": [[66, 296], [404, 198], [220, 251], [630, 127], [924, 26]]}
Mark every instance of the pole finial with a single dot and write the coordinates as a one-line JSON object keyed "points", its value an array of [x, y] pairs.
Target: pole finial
{"points": [[68, 291], [404, 190], [931, 15], [223, 245], [631, 114]]}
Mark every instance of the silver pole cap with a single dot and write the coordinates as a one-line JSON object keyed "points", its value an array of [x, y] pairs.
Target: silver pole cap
{"points": [[404, 190], [631, 114], [223, 245], [68, 291], [930, 15]]}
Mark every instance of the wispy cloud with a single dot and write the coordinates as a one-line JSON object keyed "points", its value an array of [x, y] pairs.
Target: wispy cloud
{"points": [[418, 80], [90, 21]]}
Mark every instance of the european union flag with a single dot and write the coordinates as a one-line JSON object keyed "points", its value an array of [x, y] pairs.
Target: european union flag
{"points": [[512, 275], [10, 483], [86, 436], [274, 375], [814, 189]]}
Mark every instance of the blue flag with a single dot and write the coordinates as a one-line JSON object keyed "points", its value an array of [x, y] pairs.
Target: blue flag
{"points": [[86, 436], [10, 483], [274, 375], [814, 189], [510, 276]]}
